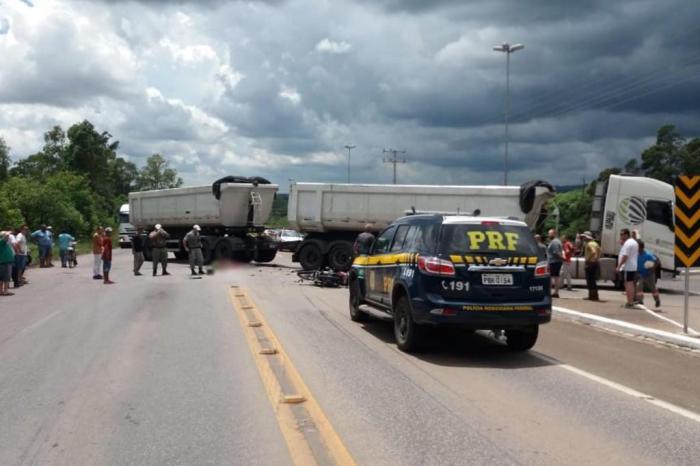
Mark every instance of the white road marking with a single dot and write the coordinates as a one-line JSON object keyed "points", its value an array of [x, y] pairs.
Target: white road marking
{"points": [[664, 318], [623, 389]]}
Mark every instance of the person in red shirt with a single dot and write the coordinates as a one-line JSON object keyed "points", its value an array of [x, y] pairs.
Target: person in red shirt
{"points": [[566, 271], [107, 255]]}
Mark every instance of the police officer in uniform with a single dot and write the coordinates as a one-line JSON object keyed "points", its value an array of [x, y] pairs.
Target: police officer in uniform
{"points": [[159, 238], [364, 241], [193, 245]]}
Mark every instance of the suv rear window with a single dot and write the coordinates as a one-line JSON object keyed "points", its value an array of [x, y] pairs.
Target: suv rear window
{"points": [[504, 240]]}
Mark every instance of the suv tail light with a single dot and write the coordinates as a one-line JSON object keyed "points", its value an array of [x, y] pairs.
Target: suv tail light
{"points": [[436, 266], [542, 269]]}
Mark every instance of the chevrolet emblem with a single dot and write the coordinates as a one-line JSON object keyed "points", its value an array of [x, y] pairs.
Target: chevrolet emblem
{"points": [[498, 262]]}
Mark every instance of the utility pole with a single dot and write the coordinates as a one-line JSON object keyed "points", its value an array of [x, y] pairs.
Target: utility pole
{"points": [[507, 49], [349, 147], [393, 159]]}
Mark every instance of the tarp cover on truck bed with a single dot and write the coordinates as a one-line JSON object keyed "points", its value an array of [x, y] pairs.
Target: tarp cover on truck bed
{"points": [[255, 180]]}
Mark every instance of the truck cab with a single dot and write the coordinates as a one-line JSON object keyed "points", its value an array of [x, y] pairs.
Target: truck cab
{"points": [[635, 203], [126, 229]]}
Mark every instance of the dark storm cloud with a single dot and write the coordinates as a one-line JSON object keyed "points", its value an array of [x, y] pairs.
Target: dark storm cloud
{"points": [[594, 82]]}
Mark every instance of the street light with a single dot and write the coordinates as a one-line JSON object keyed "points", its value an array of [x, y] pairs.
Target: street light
{"points": [[349, 147], [507, 49]]}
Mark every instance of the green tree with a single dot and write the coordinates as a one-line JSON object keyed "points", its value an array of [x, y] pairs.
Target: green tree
{"points": [[4, 160], [91, 153], [157, 174], [691, 158], [574, 212], [123, 175], [665, 159], [46, 162]]}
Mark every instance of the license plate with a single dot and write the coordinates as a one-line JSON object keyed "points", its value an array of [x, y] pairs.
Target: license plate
{"points": [[497, 279]]}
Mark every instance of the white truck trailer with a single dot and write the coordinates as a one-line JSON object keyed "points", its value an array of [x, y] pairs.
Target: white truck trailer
{"points": [[635, 203], [332, 215], [232, 214]]}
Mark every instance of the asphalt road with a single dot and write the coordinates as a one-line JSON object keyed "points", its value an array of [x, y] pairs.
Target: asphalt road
{"points": [[156, 371]]}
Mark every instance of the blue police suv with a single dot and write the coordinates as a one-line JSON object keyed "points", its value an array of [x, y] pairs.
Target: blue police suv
{"points": [[473, 272]]}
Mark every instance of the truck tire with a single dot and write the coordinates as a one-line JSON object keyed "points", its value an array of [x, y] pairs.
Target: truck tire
{"points": [[265, 255], [311, 257], [147, 253], [223, 250], [409, 335], [356, 315], [522, 339], [340, 256], [181, 255]]}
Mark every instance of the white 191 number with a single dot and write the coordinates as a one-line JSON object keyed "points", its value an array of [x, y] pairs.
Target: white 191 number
{"points": [[454, 285]]}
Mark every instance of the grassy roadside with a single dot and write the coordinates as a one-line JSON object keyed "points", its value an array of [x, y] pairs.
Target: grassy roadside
{"points": [[84, 246]]}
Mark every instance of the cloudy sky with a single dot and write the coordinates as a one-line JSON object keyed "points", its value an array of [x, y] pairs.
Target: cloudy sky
{"points": [[276, 88]]}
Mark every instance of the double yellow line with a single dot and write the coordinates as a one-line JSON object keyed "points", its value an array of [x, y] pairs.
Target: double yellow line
{"points": [[309, 435]]}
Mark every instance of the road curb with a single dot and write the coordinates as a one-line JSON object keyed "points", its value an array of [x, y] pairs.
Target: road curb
{"points": [[626, 327]]}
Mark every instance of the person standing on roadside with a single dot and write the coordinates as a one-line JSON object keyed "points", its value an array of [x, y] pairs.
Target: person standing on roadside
{"points": [[21, 251], [541, 247], [591, 252], [137, 250], [107, 255], [364, 241], [193, 245], [43, 240], [64, 241], [555, 258], [646, 269], [567, 266], [97, 254], [7, 261], [627, 265], [49, 233], [159, 242]]}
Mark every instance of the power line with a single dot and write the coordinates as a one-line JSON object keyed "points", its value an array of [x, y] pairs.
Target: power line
{"points": [[393, 159]]}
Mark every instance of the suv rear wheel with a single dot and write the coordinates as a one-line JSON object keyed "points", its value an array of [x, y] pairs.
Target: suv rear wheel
{"points": [[356, 315], [409, 335], [522, 339]]}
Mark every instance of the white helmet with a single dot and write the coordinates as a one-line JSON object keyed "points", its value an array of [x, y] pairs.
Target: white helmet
{"points": [[158, 226], [196, 227]]}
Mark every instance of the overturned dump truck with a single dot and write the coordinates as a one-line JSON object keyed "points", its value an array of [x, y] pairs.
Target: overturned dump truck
{"points": [[231, 213], [332, 215]]}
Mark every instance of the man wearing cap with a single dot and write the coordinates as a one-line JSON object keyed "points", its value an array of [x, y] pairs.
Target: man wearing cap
{"points": [[592, 265], [159, 242], [193, 245]]}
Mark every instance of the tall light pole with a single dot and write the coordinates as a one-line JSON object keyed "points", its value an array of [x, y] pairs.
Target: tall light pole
{"points": [[507, 49], [394, 159], [349, 147]]}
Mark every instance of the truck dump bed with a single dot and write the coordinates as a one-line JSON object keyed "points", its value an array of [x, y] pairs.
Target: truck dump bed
{"points": [[321, 207], [197, 205]]}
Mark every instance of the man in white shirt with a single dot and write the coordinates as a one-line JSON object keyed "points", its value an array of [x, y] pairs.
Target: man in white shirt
{"points": [[627, 264], [21, 250]]}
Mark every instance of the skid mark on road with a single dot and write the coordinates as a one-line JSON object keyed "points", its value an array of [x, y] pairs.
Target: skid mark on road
{"points": [[310, 437]]}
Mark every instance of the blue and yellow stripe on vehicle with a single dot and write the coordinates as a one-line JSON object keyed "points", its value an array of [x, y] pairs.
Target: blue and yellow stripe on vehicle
{"points": [[459, 260], [386, 259]]}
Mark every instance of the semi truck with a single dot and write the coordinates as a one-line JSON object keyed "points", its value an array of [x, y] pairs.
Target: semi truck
{"points": [[635, 203], [332, 215], [231, 214], [126, 229]]}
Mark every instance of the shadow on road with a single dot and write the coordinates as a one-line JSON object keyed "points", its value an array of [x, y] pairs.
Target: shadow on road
{"points": [[459, 348]]}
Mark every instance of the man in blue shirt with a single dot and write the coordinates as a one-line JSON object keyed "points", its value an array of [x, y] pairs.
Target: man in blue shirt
{"points": [[44, 239], [646, 271], [64, 243]]}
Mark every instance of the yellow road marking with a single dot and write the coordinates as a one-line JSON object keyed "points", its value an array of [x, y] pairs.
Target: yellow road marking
{"points": [[298, 445]]}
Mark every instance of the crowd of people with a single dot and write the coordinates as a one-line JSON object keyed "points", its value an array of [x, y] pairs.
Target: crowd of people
{"points": [[636, 265]]}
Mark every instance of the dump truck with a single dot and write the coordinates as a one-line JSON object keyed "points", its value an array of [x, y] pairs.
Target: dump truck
{"points": [[635, 203], [231, 213], [332, 215]]}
